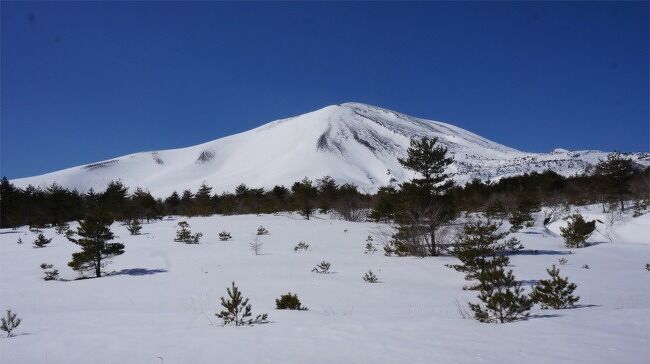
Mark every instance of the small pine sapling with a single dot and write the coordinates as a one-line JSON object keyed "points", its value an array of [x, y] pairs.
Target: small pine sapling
{"points": [[554, 293], [20, 241], [586, 266], [237, 310], [41, 241], [301, 246], [256, 245], [322, 268], [224, 236], [262, 231], [134, 226], [520, 218], [9, 323], [577, 231], [370, 277], [62, 228], [370, 247], [184, 235], [501, 296], [513, 245], [289, 301], [647, 267], [562, 261], [50, 274]]}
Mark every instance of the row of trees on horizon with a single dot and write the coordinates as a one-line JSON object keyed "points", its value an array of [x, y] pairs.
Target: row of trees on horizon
{"points": [[432, 197]]}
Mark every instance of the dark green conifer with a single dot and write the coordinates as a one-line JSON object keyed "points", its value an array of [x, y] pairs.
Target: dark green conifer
{"points": [[554, 293], [95, 233], [501, 296], [237, 310]]}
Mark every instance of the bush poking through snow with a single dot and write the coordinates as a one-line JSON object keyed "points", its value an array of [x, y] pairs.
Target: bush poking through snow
{"points": [[62, 228], [586, 266], [50, 274], [134, 226], [289, 301], [577, 231], [262, 231], [322, 268], [224, 236], [256, 245], [647, 267], [519, 218], [554, 293], [501, 296], [237, 310], [370, 247], [301, 246], [184, 235], [20, 241], [513, 245], [370, 277], [562, 261], [9, 323], [41, 241]]}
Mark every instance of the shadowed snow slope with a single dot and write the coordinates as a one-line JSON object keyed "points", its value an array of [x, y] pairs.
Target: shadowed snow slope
{"points": [[352, 142]]}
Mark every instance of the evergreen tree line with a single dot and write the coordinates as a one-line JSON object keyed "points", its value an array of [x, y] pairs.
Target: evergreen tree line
{"points": [[419, 206], [614, 180], [54, 205]]}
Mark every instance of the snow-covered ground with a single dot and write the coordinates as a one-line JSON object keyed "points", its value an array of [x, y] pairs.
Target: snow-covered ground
{"points": [[159, 305]]}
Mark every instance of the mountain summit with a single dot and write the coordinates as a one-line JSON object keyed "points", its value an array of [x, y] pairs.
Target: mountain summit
{"points": [[352, 142]]}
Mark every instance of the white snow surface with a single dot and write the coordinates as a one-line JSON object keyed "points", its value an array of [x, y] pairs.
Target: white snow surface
{"points": [[159, 305], [352, 142]]}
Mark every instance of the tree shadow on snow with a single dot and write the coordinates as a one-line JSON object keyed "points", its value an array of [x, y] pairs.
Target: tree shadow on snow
{"points": [[541, 252], [137, 272], [544, 315]]}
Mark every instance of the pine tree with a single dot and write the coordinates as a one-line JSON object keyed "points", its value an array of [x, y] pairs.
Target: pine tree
{"points": [[202, 202], [289, 301], [479, 248], [61, 228], [41, 241], [134, 226], [370, 277], [501, 296], [184, 235], [423, 207], [615, 173], [554, 293], [9, 323], [322, 267], [237, 310], [519, 218], [301, 246], [577, 231], [95, 233], [262, 231], [305, 197], [370, 247], [224, 235]]}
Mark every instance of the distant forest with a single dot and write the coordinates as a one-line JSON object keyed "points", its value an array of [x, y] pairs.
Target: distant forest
{"points": [[614, 181]]}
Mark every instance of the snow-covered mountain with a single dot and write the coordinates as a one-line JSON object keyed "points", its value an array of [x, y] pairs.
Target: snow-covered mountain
{"points": [[351, 142]]}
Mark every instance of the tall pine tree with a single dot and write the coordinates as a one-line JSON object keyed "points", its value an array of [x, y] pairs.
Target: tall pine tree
{"points": [[94, 236], [424, 208]]}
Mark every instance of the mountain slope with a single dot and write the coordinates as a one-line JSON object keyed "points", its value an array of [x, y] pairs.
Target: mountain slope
{"points": [[351, 142]]}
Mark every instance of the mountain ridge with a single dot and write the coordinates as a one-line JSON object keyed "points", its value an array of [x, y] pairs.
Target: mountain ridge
{"points": [[352, 142]]}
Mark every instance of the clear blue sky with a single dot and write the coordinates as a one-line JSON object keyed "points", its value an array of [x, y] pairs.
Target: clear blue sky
{"points": [[88, 81]]}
